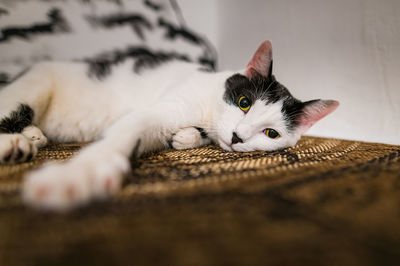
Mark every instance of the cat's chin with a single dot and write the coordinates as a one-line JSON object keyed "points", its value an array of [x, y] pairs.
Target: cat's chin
{"points": [[241, 148], [224, 145], [236, 148]]}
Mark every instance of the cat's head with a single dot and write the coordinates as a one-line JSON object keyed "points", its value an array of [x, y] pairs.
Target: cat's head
{"points": [[259, 113]]}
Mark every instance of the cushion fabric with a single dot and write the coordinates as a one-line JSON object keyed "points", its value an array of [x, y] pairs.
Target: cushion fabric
{"points": [[322, 202], [39, 30]]}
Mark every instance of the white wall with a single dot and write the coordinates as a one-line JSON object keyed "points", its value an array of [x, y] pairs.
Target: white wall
{"points": [[348, 50]]}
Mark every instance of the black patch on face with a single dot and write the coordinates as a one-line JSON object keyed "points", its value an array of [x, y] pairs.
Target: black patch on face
{"points": [[17, 120], [100, 67], [153, 6], [268, 90], [56, 24], [137, 21]]}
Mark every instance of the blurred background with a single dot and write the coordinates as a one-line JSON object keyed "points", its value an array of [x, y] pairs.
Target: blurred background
{"points": [[348, 50]]}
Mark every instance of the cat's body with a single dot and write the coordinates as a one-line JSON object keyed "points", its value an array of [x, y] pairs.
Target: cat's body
{"points": [[138, 107], [70, 106]]}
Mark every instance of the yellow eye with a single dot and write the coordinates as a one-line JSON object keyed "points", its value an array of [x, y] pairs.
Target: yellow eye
{"points": [[244, 103], [271, 133]]}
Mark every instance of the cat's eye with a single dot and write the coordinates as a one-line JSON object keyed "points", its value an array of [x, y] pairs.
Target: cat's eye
{"points": [[271, 133], [244, 103]]}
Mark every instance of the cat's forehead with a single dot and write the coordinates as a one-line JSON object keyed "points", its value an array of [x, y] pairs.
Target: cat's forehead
{"points": [[268, 89]]}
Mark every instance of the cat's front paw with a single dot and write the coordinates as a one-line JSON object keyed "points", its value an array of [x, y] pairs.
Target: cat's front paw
{"points": [[35, 135], [16, 148], [61, 187], [56, 186], [188, 138]]}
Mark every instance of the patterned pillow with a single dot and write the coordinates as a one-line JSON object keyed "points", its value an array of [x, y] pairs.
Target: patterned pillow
{"points": [[100, 32]]}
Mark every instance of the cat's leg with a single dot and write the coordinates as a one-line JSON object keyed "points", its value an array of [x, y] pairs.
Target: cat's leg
{"points": [[189, 138], [98, 170], [21, 104], [21, 147]]}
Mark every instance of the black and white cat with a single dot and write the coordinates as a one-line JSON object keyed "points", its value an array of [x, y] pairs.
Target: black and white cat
{"points": [[141, 105]]}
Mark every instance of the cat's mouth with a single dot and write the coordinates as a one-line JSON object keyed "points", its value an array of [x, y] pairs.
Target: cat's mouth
{"points": [[224, 145]]}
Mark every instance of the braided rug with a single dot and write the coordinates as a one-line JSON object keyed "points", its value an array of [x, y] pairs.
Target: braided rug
{"points": [[322, 202]]}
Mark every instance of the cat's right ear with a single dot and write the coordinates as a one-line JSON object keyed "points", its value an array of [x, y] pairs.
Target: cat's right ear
{"points": [[313, 111], [261, 63]]}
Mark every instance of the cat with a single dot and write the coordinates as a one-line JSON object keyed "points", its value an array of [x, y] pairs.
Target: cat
{"points": [[137, 106]]}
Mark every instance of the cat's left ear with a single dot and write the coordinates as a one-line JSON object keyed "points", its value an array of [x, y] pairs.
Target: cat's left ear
{"points": [[313, 111], [261, 63]]}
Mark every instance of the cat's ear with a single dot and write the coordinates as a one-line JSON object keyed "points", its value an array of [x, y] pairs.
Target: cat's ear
{"points": [[261, 63], [313, 111]]}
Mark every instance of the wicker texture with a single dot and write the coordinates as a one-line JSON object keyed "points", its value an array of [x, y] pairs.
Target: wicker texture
{"points": [[324, 201]]}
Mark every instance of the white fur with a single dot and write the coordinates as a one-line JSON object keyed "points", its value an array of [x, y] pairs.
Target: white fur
{"points": [[250, 127], [15, 148], [35, 135], [188, 138], [156, 106]]}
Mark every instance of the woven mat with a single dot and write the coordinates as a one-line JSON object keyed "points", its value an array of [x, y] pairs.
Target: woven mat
{"points": [[323, 202]]}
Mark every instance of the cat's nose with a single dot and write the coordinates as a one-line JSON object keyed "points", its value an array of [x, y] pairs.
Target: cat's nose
{"points": [[236, 139]]}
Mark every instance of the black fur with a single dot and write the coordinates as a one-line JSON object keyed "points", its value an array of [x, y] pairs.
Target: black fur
{"points": [[173, 32], [268, 90], [202, 132], [135, 20], [147, 59], [135, 151], [3, 12], [150, 61], [208, 63], [4, 79], [100, 67], [152, 5], [56, 24], [18, 120]]}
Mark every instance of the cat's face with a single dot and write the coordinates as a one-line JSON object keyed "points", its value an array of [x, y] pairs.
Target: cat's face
{"points": [[260, 114]]}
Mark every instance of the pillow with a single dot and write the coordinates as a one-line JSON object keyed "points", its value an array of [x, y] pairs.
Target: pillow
{"points": [[96, 31]]}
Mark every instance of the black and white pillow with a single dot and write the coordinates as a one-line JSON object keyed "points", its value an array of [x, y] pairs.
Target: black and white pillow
{"points": [[95, 31]]}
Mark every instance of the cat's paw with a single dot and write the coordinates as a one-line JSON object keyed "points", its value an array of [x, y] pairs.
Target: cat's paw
{"points": [[60, 187], [56, 186], [188, 138], [16, 148], [35, 135]]}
